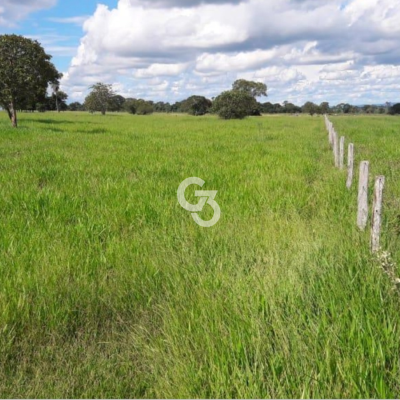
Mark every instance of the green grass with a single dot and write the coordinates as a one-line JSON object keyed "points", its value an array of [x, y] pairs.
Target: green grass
{"points": [[109, 289]]}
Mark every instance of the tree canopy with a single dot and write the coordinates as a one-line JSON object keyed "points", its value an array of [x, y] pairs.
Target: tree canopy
{"points": [[254, 89], [234, 104], [196, 105], [25, 73], [100, 98]]}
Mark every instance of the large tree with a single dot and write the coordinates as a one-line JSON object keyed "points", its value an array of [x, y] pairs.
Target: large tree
{"points": [[254, 89], [100, 98], [25, 73], [234, 104]]}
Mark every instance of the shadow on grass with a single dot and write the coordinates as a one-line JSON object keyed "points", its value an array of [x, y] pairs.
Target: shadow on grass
{"points": [[94, 131], [47, 121]]}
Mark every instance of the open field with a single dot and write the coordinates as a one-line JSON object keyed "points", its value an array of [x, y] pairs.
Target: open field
{"points": [[109, 289]]}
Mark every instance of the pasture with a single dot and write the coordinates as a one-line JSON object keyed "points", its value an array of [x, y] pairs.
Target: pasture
{"points": [[109, 289]]}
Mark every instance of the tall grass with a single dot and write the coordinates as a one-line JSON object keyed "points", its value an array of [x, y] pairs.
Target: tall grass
{"points": [[109, 289]]}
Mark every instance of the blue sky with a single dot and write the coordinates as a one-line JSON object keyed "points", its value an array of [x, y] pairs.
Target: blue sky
{"points": [[332, 50]]}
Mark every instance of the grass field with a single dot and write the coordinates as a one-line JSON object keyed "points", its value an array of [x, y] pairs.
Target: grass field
{"points": [[109, 289]]}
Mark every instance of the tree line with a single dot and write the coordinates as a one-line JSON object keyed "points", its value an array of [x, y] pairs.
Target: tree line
{"points": [[30, 82]]}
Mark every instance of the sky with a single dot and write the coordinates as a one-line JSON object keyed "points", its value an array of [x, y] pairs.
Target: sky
{"points": [[166, 50]]}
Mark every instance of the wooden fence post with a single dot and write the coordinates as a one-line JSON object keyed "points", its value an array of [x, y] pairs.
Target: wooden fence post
{"points": [[336, 148], [341, 152], [377, 213], [362, 214], [350, 166]]}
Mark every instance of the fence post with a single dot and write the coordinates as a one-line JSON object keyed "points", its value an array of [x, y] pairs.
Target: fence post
{"points": [[377, 213], [336, 148], [350, 166], [362, 214], [341, 152]]}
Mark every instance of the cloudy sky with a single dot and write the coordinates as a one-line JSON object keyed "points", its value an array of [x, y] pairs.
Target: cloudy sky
{"points": [[319, 50]]}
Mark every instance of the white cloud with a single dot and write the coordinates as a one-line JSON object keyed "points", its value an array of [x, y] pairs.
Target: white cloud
{"points": [[12, 11], [78, 20], [156, 70], [302, 49]]}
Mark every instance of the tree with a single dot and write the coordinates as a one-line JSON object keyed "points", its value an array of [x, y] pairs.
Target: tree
{"points": [[100, 98], [130, 106], [25, 73], [116, 103], [254, 89], [234, 104], [57, 101], [395, 109], [324, 107], [76, 106], [144, 107], [310, 108], [196, 105]]}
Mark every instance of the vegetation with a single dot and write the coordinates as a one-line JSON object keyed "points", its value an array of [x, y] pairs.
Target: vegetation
{"points": [[25, 74], [100, 98], [234, 104], [196, 105], [108, 288]]}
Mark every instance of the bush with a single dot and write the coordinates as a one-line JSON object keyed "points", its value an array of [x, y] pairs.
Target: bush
{"points": [[395, 109], [144, 107], [234, 104], [130, 106], [196, 105]]}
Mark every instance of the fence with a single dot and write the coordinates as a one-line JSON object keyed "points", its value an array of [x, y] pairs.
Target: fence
{"points": [[338, 148]]}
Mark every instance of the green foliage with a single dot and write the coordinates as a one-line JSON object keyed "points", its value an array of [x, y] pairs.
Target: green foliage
{"points": [[57, 101], [130, 106], [311, 108], [395, 109], [196, 105], [144, 107], [116, 103], [76, 106], [100, 98], [324, 107], [25, 73], [254, 89], [234, 104]]}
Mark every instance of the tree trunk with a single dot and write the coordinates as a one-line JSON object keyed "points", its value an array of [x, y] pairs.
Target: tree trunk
{"points": [[8, 112], [57, 105], [12, 113]]}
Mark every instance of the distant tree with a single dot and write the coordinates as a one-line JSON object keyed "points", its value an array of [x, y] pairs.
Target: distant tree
{"points": [[324, 107], [100, 98], [368, 109], [234, 104], [25, 73], [290, 108], [130, 106], [395, 109], [76, 106], [195, 105], [310, 108], [381, 110], [162, 107], [57, 101], [144, 107], [116, 103], [267, 108], [254, 89]]}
